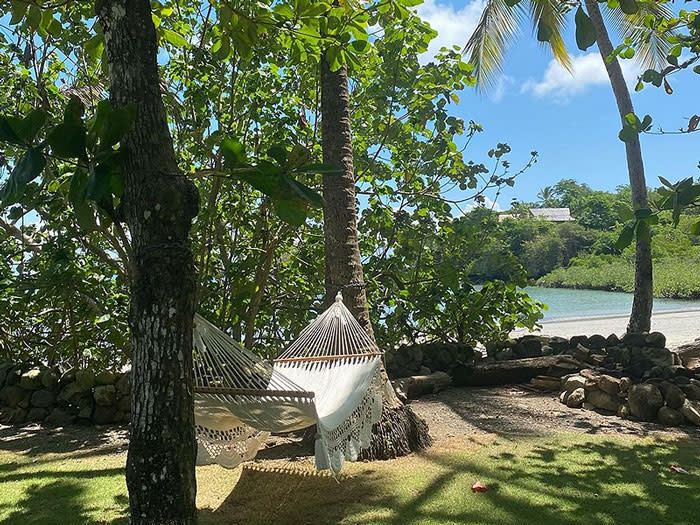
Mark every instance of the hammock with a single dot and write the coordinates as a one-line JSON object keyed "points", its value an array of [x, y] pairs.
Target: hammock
{"points": [[328, 377]]}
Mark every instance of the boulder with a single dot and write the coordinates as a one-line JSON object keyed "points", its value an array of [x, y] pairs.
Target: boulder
{"points": [[85, 413], [547, 350], [681, 380], [104, 415], [596, 342], [603, 400], [576, 398], [624, 384], [37, 414], [14, 375], [124, 404], [691, 412], [14, 416], [105, 395], [124, 384], [691, 391], [689, 354], [106, 378], [43, 398], [634, 339], [571, 383], [559, 344], [609, 384], [49, 379], [71, 393], [563, 396], [31, 379], [12, 396], [67, 377], [655, 339], [612, 340], [578, 340], [645, 400], [623, 411], [504, 355], [670, 417], [85, 378], [673, 395], [59, 418], [4, 369]]}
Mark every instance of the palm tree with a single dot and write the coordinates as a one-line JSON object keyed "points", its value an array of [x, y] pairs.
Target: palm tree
{"points": [[486, 47], [546, 197]]}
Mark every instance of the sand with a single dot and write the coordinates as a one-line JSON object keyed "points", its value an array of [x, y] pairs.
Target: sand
{"points": [[678, 326]]}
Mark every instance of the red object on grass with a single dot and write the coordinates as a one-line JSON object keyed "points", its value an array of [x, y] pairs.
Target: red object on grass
{"points": [[478, 486]]}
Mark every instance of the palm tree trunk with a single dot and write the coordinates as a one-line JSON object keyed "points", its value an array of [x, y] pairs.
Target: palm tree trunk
{"points": [[158, 206], [640, 318], [400, 431]]}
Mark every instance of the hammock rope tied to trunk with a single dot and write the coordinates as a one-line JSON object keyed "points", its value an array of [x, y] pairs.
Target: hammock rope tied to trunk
{"points": [[329, 377]]}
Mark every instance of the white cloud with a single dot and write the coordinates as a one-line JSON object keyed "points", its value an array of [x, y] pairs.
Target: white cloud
{"points": [[488, 203], [454, 26], [587, 70]]}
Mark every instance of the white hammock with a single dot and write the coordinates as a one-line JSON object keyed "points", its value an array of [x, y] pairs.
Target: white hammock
{"points": [[329, 377]]}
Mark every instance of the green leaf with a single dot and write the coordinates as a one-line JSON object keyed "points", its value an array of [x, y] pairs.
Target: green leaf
{"points": [[628, 134], [233, 152], [76, 194], [624, 212], [642, 230], [174, 38], [305, 192], [321, 169], [292, 211], [544, 31], [642, 213], [695, 228], [7, 130], [117, 124], [585, 31], [629, 7], [29, 126], [98, 184], [626, 236], [279, 153], [29, 166], [68, 141], [512, 3], [19, 9], [299, 156], [666, 182], [75, 109]]}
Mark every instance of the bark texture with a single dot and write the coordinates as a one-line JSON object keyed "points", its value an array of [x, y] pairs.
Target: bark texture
{"points": [[400, 431], [640, 318], [158, 206]]}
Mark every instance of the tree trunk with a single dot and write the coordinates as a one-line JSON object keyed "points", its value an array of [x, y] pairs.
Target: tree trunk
{"points": [[400, 431], [640, 318], [158, 206]]}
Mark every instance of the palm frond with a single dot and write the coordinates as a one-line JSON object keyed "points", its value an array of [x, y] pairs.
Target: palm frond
{"points": [[651, 48], [553, 13], [490, 40]]}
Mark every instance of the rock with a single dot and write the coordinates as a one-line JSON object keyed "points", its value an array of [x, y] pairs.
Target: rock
{"points": [[71, 393], [85, 378], [4, 369], [43, 398], [669, 417], [673, 395], [578, 340], [85, 412], [49, 379], [563, 396], [59, 418], [104, 415], [624, 384], [31, 379], [105, 395], [14, 416], [690, 354], [692, 391], [67, 377], [573, 382], [576, 398], [504, 355], [645, 400], [681, 371], [14, 375], [612, 340], [643, 359], [12, 396], [547, 350], [634, 339], [529, 346], [609, 384], [619, 354], [681, 380], [559, 344], [655, 339], [37, 414], [124, 384], [124, 404], [424, 371], [691, 412], [623, 411], [106, 378], [603, 400], [596, 342]]}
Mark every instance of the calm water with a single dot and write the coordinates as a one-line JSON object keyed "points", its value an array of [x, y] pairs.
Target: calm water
{"points": [[565, 302]]}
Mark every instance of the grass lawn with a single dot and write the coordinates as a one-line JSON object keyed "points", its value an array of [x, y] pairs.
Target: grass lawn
{"points": [[562, 478]]}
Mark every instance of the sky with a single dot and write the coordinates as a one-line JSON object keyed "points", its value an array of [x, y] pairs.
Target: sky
{"points": [[571, 120]]}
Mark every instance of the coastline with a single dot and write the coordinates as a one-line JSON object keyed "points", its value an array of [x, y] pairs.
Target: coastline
{"points": [[679, 326]]}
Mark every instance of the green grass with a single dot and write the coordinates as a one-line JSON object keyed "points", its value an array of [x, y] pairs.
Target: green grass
{"points": [[674, 277], [563, 478]]}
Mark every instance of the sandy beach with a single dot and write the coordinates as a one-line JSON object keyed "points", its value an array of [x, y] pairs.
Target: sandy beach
{"points": [[678, 326]]}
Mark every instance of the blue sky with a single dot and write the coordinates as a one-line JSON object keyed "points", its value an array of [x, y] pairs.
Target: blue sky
{"points": [[571, 121]]}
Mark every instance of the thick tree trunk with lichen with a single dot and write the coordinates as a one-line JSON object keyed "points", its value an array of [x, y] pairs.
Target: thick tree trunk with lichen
{"points": [[400, 431], [158, 206], [640, 318]]}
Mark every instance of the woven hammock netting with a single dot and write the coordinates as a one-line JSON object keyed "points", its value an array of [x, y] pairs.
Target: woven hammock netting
{"points": [[329, 377]]}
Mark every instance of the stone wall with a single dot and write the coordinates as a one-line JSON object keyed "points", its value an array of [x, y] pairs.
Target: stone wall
{"points": [[425, 359], [41, 394]]}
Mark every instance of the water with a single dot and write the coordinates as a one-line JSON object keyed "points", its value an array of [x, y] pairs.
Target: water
{"points": [[567, 303]]}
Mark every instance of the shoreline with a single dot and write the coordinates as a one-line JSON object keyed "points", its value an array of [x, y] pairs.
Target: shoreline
{"points": [[679, 326], [616, 316]]}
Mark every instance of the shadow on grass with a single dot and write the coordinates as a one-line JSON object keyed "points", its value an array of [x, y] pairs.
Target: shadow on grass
{"points": [[36, 438], [579, 482]]}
